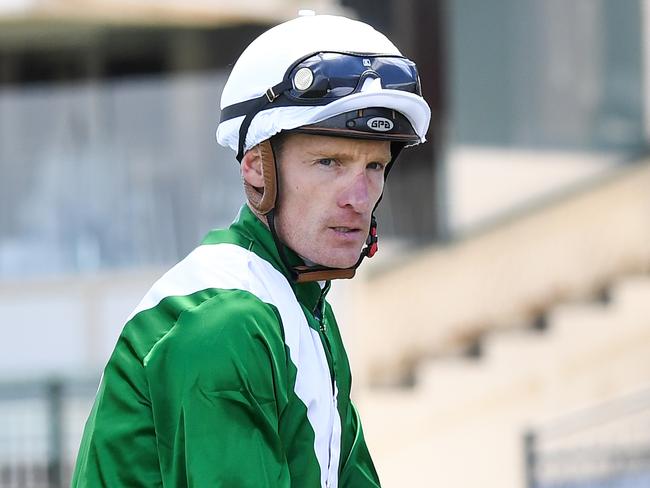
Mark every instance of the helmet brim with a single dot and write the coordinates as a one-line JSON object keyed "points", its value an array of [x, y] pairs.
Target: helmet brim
{"points": [[375, 123], [269, 122]]}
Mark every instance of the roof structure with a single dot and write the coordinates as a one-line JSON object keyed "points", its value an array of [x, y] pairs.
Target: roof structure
{"points": [[28, 21]]}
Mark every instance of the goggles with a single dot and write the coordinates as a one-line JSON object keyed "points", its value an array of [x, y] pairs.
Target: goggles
{"points": [[321, 78], [328, 76]]}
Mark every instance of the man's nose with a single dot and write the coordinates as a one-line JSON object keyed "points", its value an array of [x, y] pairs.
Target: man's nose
{"points": [[356, 194]]}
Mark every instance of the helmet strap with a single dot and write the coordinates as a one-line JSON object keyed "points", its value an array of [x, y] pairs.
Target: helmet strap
{"points": [[253, 108], [262, 201]]}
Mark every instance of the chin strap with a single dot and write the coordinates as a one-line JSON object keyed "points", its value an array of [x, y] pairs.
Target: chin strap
{"points": [[305, 273]]}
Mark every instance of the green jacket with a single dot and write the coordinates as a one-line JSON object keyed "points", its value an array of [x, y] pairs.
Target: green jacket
{"points": [[227, 375]]}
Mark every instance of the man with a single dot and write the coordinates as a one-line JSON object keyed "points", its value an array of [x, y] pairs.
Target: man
{"points": [[231, 371]]}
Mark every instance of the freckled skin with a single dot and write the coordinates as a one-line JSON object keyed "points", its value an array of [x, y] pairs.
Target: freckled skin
{"points": [[328, 189]]}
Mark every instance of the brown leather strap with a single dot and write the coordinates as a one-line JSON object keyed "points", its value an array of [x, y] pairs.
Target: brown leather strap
{"points": [[263, 200], [270, 178], [305, 274]]}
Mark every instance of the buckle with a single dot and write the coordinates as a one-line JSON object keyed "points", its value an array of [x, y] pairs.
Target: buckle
{"points": [[271, 95]]}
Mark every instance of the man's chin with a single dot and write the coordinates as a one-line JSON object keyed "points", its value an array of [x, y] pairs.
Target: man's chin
{"points": [[342, 257], [341, 262]]}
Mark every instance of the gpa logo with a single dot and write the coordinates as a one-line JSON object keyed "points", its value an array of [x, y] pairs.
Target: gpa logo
{"points": [[380, 124]]}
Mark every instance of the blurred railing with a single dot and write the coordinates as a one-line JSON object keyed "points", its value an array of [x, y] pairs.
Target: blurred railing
{"points": [[607, 446], [40, 428]]}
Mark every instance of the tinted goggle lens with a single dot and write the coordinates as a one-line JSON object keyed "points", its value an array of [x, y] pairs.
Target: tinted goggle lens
{"points": [[334, 75]]}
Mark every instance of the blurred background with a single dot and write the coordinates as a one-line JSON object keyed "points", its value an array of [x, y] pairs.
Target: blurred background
{"points": [[502, 336]]}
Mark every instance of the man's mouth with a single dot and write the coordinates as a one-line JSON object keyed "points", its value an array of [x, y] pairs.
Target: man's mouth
{"points": [[350, 235], [345, 230]]}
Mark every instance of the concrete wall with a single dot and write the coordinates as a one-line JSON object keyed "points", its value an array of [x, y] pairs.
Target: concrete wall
{"points": [[65, 326]]}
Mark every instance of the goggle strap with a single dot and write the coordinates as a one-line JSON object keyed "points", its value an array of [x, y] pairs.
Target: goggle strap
{"points": [[253, 107], [243, 131], [242, 108]]}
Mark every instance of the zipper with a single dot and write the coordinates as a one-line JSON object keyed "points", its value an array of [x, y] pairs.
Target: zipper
{"points": [[318, 315], [318, 310]]}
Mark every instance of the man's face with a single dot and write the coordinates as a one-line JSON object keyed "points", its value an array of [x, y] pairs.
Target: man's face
{"points": [[328, 187]]}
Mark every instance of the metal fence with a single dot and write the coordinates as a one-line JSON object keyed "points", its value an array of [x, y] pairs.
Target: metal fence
{"points": [[607, 446], [40, 428]]}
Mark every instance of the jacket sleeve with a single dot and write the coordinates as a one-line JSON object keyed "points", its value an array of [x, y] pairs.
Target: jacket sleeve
{"points": [[216, 382], [358, 471]]}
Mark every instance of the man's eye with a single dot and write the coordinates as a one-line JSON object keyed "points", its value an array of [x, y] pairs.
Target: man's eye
{"points": [[326, 162], [376, 166]]}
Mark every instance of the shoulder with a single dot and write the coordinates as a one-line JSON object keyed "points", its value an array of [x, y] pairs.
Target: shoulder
{"points": [[220, 320], [230, 335], [219, 266], [217, 290], [222, 266], [228, 314]]}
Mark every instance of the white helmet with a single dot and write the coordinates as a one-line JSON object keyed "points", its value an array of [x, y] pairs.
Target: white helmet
{"points": [[325, 75], [272, 85]]}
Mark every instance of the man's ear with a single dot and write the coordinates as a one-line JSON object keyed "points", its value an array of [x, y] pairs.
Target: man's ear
{"points": [[251, 167]]}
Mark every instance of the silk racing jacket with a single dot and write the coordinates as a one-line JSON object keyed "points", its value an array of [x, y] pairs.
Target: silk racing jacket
{"points": [[227, 375]]}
